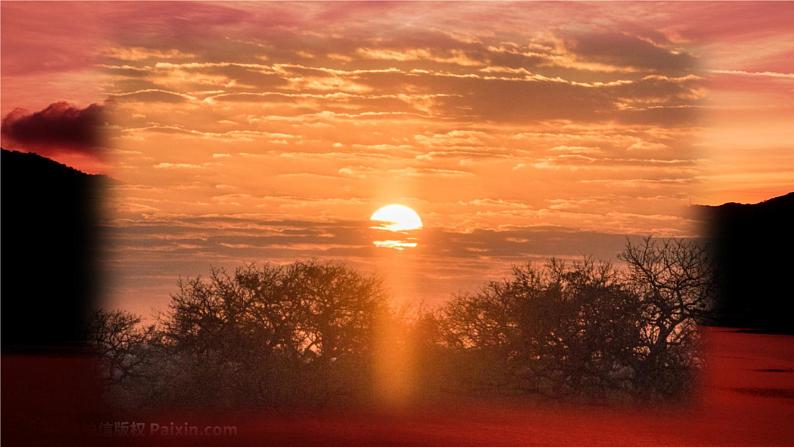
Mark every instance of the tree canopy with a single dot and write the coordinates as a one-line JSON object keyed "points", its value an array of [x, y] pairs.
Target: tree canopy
{"points": [[307, 332]]}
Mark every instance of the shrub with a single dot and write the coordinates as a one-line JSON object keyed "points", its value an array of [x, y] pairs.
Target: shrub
{"points": [[269, 335], [312, 332], [583, 328]]}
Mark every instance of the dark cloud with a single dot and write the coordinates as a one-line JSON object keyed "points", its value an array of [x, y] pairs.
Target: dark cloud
{"points": [[246, 76], [60, 127], [663, 116], [446, 261], [248, 239], [150, 95], [624, 50]]}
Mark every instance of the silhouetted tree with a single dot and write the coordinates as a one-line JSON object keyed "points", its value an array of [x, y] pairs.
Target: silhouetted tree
{"points": [[583, 328], [118, 338], [674, 279], [562, 329], [312, 332], [270, 334]]}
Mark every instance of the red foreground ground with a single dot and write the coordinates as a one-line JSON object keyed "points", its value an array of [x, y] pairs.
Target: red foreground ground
{"points": [[746, 399]]}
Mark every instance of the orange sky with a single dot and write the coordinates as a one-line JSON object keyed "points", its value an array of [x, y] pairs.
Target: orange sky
{"points": [[244, 132]]}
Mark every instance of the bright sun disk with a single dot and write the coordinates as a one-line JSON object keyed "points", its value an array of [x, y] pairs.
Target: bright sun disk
{"points": [[396, 217]]}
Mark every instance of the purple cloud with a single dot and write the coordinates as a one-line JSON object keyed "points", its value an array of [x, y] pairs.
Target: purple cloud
{"points": [[60, 127]]}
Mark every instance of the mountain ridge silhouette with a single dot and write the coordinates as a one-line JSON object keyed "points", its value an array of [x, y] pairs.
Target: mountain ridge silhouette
{"points": [[751, 244], [50, 241]]}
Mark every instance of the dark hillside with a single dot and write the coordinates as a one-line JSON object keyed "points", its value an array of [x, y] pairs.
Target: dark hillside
{"points": [[754, 248], [49, 242]]}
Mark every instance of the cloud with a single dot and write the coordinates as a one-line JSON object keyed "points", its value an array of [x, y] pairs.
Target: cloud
{"points": [[455, 57], [152, 95], [178, 166], [622, 49], [60, 127], [764, 74], [158, 251], [140, 54]]}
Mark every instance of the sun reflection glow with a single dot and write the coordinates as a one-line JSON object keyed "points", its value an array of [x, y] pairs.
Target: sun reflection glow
{"points": [[395, 244]]}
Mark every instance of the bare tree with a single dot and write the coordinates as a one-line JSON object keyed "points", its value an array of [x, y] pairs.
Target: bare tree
{"points": [[674, 280], [584, 328], [306, 332], [120, 341], [270, 334], [562, 329]]}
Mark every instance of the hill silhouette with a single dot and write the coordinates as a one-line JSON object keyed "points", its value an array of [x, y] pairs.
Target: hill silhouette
{"points": [[49, 252], [753, 245]]}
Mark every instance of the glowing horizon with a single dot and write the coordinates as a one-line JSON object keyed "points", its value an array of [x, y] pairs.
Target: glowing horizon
{"points": [[521, 131]]}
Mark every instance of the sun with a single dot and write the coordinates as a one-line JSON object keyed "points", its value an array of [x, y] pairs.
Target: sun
{"points": [[396, 217]]}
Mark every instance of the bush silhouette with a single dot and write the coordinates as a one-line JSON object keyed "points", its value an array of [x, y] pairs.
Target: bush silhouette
{"points": [[275, 334], [306, 333], [584, 328]]}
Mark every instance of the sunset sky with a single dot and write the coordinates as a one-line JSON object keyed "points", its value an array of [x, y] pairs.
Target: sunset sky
{"points": [[252, 132]]}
